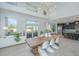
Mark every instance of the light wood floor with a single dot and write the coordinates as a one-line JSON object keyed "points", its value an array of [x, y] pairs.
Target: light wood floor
{"points": [[68, 47]]}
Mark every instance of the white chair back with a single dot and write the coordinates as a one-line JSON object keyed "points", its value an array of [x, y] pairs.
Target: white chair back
{"points": [[41, 51], [52, 41], [57, 40], [50, 50], [45, 45]]}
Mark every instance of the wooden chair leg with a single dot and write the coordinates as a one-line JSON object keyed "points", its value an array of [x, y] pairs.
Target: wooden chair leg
{"points": [[35, 51]]}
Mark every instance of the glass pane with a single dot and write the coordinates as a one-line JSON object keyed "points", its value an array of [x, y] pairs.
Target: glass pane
{"points": [[29, 35], [10, 26], [11, 21], [31, 29], [35, 33]]}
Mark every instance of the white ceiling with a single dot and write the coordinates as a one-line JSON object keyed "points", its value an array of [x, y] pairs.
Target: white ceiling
{"points": [[60, 9], [41, 4], [56, 10]]}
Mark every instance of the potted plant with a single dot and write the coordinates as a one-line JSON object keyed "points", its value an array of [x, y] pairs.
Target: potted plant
{"points": [[17, 36]]}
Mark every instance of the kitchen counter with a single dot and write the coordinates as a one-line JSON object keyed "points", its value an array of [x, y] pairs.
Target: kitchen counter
{"points": [[71, 35]]}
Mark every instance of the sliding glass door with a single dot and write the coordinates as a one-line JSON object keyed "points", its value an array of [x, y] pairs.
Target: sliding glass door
{"points": [[31, 29]]}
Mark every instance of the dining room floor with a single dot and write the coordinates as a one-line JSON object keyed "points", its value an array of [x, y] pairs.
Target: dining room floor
{"points": [[68, 47]]}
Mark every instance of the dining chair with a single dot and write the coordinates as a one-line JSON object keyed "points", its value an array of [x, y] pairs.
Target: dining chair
{"points": [[53, 44], [42, 52]]}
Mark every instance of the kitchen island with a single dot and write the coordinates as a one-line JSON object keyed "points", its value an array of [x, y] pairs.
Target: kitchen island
{"points": [[71, 34]]}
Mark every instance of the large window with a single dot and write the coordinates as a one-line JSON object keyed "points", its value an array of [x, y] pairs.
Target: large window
{"points": [[31, 29], [10, 26]]}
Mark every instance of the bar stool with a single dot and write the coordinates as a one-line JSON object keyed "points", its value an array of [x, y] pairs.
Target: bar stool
{"points": [[73, 36], [77, 37]]}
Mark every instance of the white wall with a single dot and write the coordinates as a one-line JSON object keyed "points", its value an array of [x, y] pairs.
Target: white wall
{"points": [[21, 9], [21, 21]]}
